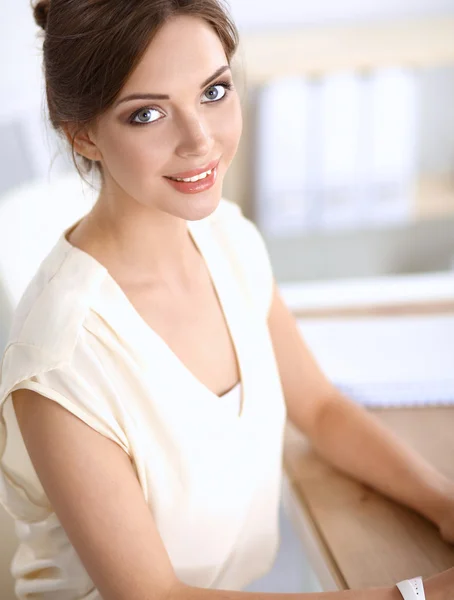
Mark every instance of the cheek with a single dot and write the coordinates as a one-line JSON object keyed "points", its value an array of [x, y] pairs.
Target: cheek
{"points": [[131, 154]]}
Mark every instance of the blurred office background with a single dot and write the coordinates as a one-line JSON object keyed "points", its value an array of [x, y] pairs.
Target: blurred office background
{"points": [[347, 169]]}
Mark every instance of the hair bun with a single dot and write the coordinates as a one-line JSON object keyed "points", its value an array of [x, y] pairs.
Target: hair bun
{"points": [[40, 12]]}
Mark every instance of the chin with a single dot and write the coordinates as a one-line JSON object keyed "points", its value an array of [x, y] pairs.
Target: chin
{"points": [[200, 206]]}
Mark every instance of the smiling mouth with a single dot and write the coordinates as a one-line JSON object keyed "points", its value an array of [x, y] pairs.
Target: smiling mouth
{"points": [[193, 179], [192, 176], [201, 183]]}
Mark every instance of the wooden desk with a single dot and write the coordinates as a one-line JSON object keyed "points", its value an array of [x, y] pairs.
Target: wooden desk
{"points": [[354, 536]]}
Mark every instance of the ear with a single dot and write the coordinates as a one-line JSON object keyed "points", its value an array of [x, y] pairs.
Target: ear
{"points": [[84, 142]]}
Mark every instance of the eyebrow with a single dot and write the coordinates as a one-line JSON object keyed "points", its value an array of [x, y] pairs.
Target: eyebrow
{"points": [[165, 96]]}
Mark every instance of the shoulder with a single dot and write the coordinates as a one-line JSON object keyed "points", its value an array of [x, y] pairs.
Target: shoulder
{"points": [[52, 351], [246, 248], [229, 221], [241, 232], [48, 318]]}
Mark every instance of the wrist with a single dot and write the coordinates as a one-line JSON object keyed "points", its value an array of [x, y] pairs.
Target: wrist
{"points": [[382, 593], [394, 593]]}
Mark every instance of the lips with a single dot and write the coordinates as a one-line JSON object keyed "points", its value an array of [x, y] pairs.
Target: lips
{"points": [[195, 172]]}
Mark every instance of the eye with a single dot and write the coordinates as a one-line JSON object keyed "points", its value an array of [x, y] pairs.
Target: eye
{"points": [[142, 116], [225, 85]]}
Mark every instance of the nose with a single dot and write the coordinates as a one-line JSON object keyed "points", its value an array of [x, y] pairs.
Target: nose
{"points": [[194, 137]]}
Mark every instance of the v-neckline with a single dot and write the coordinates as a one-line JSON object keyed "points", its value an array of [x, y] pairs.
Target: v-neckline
{"points": [[223, 286]]}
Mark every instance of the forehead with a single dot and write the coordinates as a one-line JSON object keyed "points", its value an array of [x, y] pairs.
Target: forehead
{"points": [[185, 49]]}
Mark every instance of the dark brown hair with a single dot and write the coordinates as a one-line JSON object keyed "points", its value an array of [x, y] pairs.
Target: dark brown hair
{"points": [[92, 46]]}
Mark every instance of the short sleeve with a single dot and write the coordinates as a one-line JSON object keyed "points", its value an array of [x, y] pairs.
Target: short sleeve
{"points": [[78, 385], [248, 252]]}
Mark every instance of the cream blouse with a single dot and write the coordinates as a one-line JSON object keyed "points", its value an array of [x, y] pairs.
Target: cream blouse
{"points": [[213, 487]]}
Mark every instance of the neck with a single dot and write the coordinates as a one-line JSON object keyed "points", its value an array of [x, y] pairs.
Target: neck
{"points": [[139, 245]]}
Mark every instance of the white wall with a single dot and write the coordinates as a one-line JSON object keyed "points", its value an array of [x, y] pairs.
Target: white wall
{"points": [[20, 77], [255, 14], [26, 144]]}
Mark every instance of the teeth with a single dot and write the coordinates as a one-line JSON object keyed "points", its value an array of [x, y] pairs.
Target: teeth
{"points": [[193, 179]]}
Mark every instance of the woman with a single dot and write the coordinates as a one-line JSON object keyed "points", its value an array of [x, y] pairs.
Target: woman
{"points": [[152, 362]]}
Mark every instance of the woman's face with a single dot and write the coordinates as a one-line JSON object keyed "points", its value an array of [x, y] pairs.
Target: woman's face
{"points": [[140, 141]]}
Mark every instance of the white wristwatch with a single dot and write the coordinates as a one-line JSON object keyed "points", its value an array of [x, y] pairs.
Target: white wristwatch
{"points": [[412, 589]]}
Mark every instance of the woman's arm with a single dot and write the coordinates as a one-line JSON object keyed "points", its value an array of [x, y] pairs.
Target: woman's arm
{"points": [[93, 488], [346, 434]]}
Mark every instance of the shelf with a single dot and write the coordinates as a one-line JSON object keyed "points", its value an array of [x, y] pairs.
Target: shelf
{"points": [[395, 295], [317, 50]]}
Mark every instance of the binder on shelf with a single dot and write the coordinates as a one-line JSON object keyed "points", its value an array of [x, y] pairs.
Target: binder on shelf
{"points": [[313, 185], [341, 106], [280, 170], [389, 168]]}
